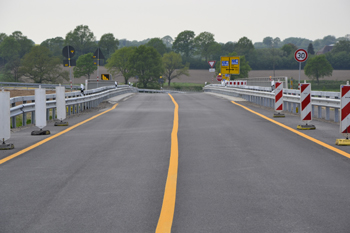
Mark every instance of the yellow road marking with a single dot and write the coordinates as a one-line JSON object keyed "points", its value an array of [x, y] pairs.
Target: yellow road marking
{"points": [[167, 213], [52, 137], [297, 132]]}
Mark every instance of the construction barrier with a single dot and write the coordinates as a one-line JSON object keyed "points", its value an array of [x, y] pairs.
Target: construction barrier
{"points": [[306, 107], [345, 109], [235, 83], [279, 99]]}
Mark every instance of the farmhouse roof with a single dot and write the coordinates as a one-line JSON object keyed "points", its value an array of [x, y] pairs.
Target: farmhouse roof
{"points": [[325, 49]]}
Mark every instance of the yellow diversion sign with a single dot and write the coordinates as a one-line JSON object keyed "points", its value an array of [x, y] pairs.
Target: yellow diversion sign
{"points": [[230, 65], [105, 76]]}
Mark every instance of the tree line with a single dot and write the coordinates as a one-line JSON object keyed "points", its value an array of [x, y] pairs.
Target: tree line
{"points": [[20, 57]]}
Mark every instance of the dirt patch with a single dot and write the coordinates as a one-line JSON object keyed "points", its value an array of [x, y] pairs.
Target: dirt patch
{"points": [[18, 92]]}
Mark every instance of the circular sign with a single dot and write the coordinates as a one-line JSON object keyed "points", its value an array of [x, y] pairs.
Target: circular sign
{"points": [[219, 77], [68, 51], [300, 55]]}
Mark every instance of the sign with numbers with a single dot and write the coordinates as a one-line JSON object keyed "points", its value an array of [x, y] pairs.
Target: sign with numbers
{"points": [[300, 55]]}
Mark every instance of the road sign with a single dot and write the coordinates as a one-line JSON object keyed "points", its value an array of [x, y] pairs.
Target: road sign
{"points": [[219, 77], [300, 55], [211, 63], [68, 51], [105, 76], [72, 63], [212, 70], [230, 65], [161, 80], [98, 54]]}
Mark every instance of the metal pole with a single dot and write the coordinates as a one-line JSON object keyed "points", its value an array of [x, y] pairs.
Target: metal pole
{"points": [[70, 70], [299, 72], [98, 64]]}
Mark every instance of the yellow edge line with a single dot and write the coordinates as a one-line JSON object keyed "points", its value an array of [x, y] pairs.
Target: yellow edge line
{"points": [[52, 137], [297, 132], [167, 213]]}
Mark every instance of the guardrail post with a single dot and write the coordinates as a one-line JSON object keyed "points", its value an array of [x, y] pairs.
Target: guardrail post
{"points": [[24, 116], [327, 113], [312, 111], [294, 108], [336, 115], [319, 112], [13, 119]]}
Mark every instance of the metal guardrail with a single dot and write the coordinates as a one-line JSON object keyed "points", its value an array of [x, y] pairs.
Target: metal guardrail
{"points": [[291, 100], [75, 102], [158, 91], [35, 85]]}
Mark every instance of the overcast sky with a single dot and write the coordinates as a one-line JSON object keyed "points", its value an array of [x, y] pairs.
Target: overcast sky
{"points": [[141, 19]]}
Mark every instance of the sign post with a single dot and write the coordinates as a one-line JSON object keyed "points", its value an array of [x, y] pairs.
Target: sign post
{"points": [[300, 56], [69, 52]]}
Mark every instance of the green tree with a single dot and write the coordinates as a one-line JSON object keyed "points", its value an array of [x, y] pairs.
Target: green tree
{"points": [[184, 44], [289, 49], [82, 39], [268, 41], [40, 66], [173, 67], [228, 47], [244, 46], [9, 52], [108, 44], [342, 46], [318, 67], [55, 45], [146, 63], [310, 49], [119, 63], [85, 66], [203, 42], [25, 44], [2, 37], [158, 45], [168, 41]]}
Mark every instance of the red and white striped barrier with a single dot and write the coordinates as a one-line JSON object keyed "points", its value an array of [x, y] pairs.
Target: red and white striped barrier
{"points": [[235, 83], [345, 109], [305, 102], [278, 97]]}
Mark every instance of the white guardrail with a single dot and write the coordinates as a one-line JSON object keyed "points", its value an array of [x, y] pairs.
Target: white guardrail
{"points": [[74, 101], [325, 105]]}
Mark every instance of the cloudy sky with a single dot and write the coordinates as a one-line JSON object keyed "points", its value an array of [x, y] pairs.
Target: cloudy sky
{"points": [[141, 19]]}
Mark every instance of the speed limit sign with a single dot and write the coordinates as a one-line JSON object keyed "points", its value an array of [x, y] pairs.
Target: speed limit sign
{"points": [[300, 55]]}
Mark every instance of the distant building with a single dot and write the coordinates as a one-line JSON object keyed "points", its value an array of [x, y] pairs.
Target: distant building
{"points": [[325, 49], [347, 36]]}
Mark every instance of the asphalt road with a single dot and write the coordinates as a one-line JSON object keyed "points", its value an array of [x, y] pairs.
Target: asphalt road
{"points": [[237, 172]]}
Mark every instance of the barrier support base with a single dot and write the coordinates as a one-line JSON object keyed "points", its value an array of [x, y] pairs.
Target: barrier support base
{"points": [[40, 132], [5, 146], [342, 142], [61, 123], [306, 127], [278, 115]]}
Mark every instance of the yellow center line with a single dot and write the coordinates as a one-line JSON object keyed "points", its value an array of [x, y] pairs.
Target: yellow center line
{"points": [[52, 137], [297, 132], [167, 213]]}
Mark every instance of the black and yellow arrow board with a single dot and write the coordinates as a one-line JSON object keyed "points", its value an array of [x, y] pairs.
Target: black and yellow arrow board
{"points": [[105, 76]]}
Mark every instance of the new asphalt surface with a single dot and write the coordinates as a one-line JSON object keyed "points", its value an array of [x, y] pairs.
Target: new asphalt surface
{"points": [[237, 172]]}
